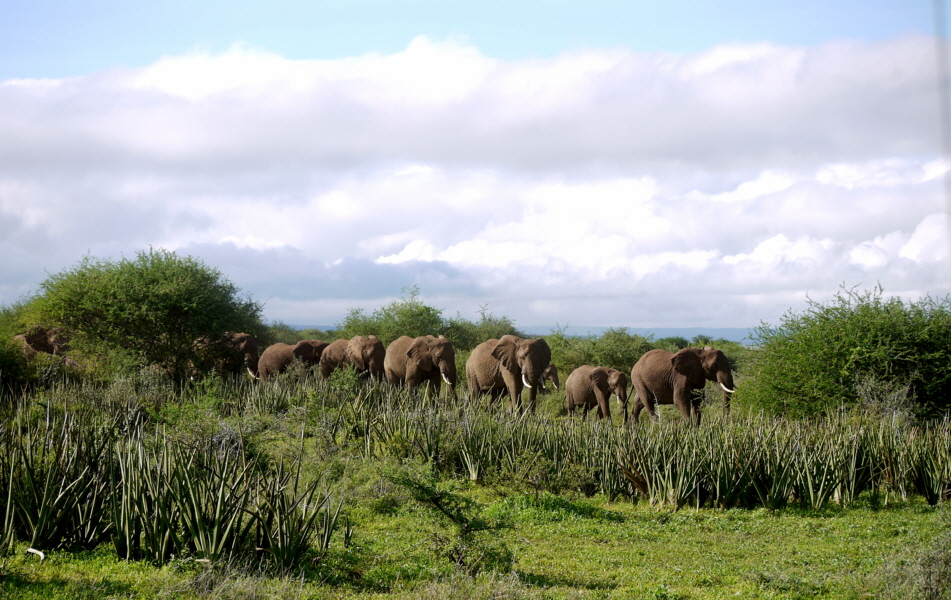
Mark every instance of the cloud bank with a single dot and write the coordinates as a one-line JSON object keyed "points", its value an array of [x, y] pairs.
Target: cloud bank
{"points": [[600, 187]]}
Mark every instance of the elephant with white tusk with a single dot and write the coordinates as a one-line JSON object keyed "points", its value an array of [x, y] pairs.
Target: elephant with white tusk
{"points": [[278, 357], [507, 366], [426, 359], [660, 377], [549, 374]]}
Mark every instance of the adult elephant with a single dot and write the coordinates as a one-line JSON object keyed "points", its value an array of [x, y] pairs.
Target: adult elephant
{"points": [[232, 354], [278, 357], [660, 377], [506, 366], [366, 353], [426, 358], [588, 386], [39, 339], [334, 357]]}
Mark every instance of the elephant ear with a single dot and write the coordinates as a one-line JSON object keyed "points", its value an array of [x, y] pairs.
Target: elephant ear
{"points": [[617, 379], [303, 350], [355, 352], [420, 353], [599, 375], [505, 351], [687, 363]]}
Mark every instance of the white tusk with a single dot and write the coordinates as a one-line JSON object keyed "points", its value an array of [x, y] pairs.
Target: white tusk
{"points": [[554, 384], [525, 381], [37, 552], [446, 379], [253, 376], [726, 389]]}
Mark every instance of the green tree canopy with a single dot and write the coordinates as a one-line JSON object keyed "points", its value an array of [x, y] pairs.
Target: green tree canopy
{"points": [[824, 358], [159, 308]]}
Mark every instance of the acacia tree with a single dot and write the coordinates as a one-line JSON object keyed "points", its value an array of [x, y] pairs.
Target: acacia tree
{"points": [[159, 308], [822, 358]]}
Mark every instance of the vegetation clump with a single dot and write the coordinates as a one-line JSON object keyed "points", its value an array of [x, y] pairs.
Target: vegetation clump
{"points": [[157, 309], [825, 357]]}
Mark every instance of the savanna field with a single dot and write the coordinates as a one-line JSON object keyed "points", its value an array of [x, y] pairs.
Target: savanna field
{"points": [[130, 469]]}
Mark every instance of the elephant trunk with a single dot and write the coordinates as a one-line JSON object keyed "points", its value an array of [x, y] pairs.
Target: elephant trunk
{"points": [[725, 379]]}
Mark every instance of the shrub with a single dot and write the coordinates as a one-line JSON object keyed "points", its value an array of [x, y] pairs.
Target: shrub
{"points": [[150, 310], [822, 359], [410, 316]]}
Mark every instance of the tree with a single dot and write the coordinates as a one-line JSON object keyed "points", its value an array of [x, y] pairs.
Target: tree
{"points": [[824, 357], [159, 308], [406, 316]]}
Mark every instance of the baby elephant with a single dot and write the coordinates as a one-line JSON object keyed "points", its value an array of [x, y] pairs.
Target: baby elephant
{"points": [[589, 386]]}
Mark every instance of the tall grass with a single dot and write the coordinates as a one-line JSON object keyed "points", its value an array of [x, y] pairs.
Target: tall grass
{"points": [[163, 471]]}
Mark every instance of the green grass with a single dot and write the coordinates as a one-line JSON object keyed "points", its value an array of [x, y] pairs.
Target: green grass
{"points": [[564, 548], [364, 445]]}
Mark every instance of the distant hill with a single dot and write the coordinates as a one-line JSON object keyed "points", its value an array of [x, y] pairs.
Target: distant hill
{"points": [[734, 334]]}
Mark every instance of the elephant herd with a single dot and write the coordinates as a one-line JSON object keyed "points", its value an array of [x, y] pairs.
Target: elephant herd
{"points": [[497, 367], [508, 365], [658, 377]]}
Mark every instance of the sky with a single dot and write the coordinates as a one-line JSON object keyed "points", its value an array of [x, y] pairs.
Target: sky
{"points": [[599, 163]]}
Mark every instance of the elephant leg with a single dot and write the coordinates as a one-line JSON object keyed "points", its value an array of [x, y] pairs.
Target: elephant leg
{"points": [[646, 400], [696, 402]]}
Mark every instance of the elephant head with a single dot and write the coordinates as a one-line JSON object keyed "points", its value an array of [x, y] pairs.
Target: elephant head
{"points": [[367, 354], [710, 365], [432, 358], [525, 359], [39, 339], [551, 374], [247, 346], [606, 382]]}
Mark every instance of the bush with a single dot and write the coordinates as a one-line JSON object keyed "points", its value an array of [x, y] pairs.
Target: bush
{"points": [[615, 348], [822, 359], [410, 316], [154, 310]]}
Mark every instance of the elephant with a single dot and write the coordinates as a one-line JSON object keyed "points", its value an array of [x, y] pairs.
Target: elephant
{"points": [[665, 378], [426, 358], [278, 357], [334, 357], [39, 339], [551, 374], [231, 354], [506, 365], [367, 354], [589, 386]]}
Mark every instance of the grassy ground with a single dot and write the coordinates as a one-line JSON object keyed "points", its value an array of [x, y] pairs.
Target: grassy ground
{"points": [[564, 548]]}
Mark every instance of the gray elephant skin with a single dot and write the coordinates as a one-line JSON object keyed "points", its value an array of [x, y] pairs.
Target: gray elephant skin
{"points": [[278, 357], [333, 357], [661, 377], [365, 353], [232, 354], [550, 374], [588, 386], [425, 359], [506, 366], [39, 339]]}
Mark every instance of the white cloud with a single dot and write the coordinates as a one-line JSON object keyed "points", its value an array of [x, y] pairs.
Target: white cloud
{"points": [[597, 187]]}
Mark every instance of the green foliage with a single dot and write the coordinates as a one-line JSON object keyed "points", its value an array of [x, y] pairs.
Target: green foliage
{"points": [[817, 361], [150, 310], [406, 316], [410, 316], [466, 334], [474, 545], [15, 372], [615, 348], [280, 332]]}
